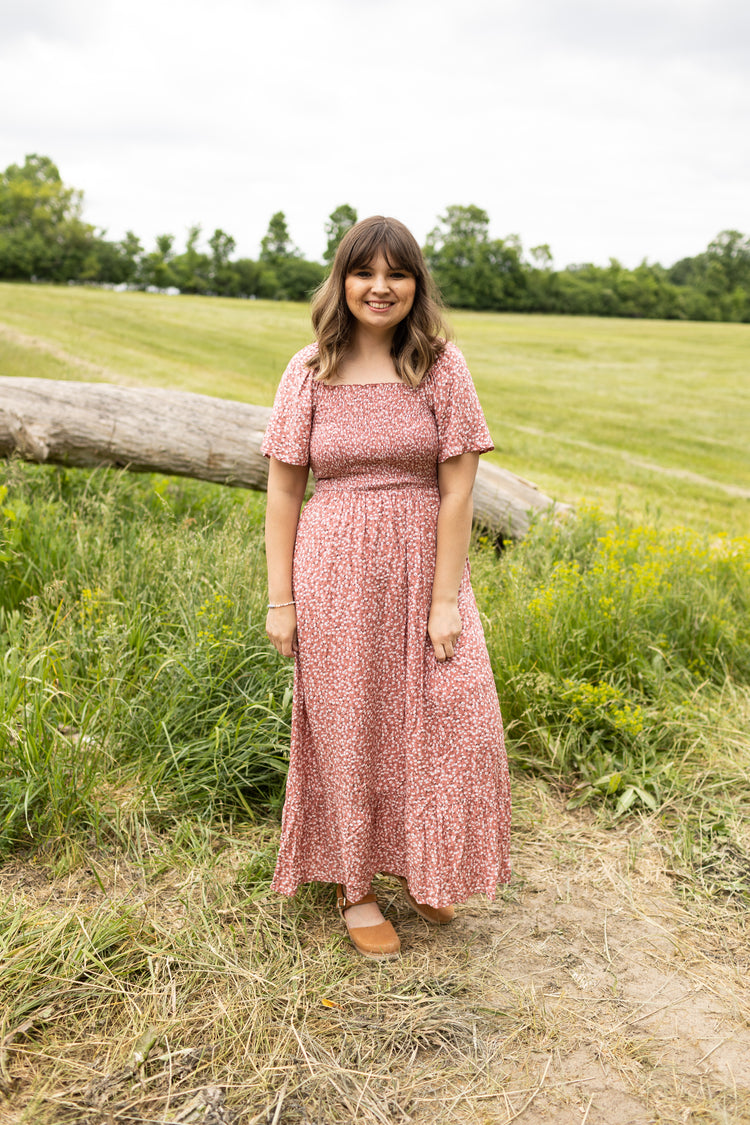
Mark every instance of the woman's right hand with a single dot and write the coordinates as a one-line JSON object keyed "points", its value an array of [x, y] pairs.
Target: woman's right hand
{"points": [[281, 627]]}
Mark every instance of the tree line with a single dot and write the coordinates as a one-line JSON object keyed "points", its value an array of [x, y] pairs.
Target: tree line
{"points": [[44, 237]]}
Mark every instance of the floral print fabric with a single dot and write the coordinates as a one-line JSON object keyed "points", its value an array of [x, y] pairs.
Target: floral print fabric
{"points": [[397, 761]]}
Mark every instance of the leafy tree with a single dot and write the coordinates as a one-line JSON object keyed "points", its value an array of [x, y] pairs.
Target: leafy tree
{"points": [[253, 279], [297, 279], [276, 245], [42, 233], [541, 295], [116, 263], [130, 251], [731, 250], [157, 270], [472, 270], [191, 270], [716, 283], [542, 256], [222, 246], [338, 224]]}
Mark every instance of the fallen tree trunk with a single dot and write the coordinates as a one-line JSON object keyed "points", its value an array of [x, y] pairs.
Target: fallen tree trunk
{"points": [[175, 432]]}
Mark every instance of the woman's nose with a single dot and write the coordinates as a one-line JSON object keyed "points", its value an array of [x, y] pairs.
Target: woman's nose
{"points": [[380, 282]]}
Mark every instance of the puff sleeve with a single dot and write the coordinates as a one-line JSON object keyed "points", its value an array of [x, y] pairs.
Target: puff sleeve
{"points": [[287, 436], [459, 418]]}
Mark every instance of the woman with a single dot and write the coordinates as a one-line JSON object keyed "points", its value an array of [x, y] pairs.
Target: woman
{"points": [[397, 761]]}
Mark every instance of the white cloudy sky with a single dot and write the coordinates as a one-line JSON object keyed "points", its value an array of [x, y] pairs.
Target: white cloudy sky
{"points": [[603, 127]]}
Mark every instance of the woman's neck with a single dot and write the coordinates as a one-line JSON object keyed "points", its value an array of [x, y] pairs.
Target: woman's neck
{"points": [[368, 359], [370, 344]]}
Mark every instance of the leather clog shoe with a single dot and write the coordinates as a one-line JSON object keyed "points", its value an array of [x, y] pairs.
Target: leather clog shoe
{"points": [[379, 942], [437, 915]]}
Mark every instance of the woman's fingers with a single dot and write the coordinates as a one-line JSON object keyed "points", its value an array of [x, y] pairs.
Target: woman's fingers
{"points": [[444, 629], [287, 646], [446, 650]]}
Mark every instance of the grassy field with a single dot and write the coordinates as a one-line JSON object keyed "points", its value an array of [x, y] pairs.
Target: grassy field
{"points": [[147, 975], [650, 415]]}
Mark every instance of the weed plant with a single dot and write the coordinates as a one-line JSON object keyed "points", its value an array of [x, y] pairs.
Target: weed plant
{"points": [[622, 655]]}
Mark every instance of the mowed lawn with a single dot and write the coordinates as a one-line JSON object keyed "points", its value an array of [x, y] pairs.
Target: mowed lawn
{"points": [[652, 416]]}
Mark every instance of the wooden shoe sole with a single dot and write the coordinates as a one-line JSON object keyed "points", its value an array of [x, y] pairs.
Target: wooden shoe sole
{"points": [[380, 942]]}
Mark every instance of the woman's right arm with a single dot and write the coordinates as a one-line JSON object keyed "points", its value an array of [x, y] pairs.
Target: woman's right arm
{"points": [[286, 491]]}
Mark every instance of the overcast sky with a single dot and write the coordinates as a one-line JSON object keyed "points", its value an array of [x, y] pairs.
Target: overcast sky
{"points": [[602, 127]]}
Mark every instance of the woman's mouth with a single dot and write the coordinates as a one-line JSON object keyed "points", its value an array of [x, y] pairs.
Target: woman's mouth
{"points": [[378, 306]]}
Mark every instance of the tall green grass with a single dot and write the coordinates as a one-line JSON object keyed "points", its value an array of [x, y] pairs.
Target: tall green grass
{"points": [[622, 654], [138, 684], [137, 674]]}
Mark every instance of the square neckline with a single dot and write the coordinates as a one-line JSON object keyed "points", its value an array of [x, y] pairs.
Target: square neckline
{"points": [[389, 383]]}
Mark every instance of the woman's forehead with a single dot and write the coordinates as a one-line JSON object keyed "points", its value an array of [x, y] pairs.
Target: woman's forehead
{"points": [[377, 258]]}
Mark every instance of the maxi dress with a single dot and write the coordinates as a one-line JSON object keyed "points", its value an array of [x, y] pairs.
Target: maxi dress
{"points": [[397, 761]]}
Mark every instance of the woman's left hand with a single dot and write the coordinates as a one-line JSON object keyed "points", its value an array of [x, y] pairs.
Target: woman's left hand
{"points": [[444, 629]]}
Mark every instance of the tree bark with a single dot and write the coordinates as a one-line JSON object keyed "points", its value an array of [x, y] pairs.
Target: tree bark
{"points": [[175, 432]]}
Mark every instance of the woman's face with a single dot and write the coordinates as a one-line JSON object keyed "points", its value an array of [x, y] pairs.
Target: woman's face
{"points": [[378, 296]]}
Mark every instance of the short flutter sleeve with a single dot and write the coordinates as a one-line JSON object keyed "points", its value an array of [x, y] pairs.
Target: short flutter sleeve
{"points": [[460, 421], [287, 436]]}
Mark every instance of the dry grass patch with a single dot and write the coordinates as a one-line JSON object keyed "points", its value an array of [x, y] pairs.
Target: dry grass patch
{"points": [[178, 990], [194, 996]]}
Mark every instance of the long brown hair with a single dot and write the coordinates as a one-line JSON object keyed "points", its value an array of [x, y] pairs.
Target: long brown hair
{"points": [[419, 338]]}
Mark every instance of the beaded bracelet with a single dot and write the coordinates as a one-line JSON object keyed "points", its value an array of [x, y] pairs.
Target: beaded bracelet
{"points": [[278, 605]]}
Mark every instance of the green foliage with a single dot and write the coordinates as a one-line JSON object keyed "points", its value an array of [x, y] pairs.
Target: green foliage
{"points": [[297, 279], [135, 654], [42, 237], [473, 271], [339, 221], [276, 245], [610, 643], [156, 267], [41, 230]]}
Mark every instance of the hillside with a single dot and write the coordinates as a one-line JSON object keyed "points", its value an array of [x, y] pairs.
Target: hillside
{"points": [[652, 415]]}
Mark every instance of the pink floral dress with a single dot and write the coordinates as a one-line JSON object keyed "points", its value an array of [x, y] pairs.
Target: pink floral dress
{"points": [[397, 761]]}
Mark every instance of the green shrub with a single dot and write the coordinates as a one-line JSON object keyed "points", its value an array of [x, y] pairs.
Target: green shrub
{"points": [[605, 642]]}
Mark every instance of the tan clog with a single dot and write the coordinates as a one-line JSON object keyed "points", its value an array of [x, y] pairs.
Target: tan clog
{"points": [[380, 942], [437, 915]]}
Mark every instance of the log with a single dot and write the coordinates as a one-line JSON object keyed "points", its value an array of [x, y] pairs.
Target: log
{"points": [[90, 425]]}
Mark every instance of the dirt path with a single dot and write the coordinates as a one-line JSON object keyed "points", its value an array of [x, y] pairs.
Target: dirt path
{"points": [[636, 1001]]}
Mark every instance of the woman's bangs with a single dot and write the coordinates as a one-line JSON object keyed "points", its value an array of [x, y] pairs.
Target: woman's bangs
{"points": [[399, 255]]}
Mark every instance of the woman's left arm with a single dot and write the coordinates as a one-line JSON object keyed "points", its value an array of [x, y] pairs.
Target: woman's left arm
{"points": [[455, 481]]}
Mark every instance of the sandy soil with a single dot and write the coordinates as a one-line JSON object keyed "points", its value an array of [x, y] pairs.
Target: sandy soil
{"points": [[638, 998]]}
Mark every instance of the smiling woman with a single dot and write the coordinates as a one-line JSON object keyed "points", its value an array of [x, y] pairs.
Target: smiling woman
{"points": [[378, 263], [397, 760]]}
